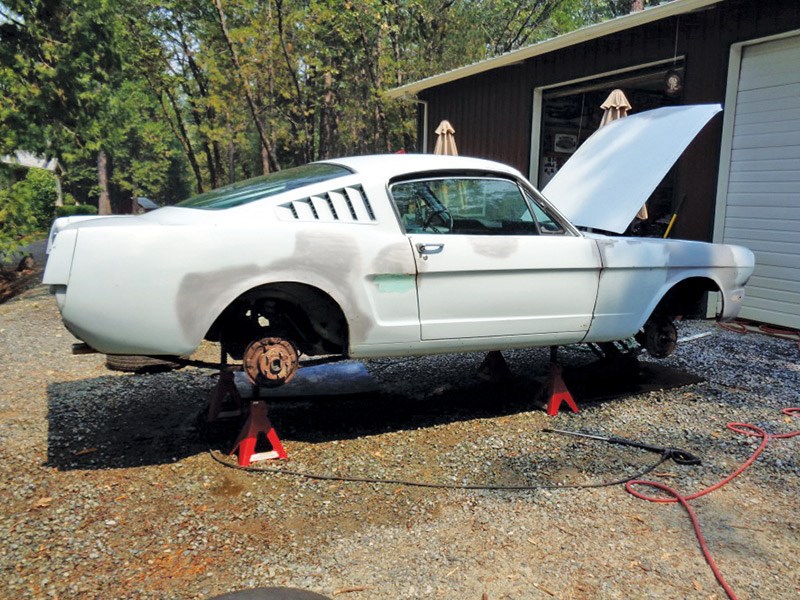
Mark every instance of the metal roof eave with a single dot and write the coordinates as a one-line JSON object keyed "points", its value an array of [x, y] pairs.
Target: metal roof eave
{"points": [[585, 34]]}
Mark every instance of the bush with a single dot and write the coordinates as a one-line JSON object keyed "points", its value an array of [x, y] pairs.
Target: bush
{"points": [[17, 222], [27, 207], [38, 190], [71, 210]]}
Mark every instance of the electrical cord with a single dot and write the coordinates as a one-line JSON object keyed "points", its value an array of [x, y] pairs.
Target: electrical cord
{"points": [[441, 486], [676, 497]]}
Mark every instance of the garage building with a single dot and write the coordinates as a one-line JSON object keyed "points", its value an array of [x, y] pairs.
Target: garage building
{"points": [[738, 182]]}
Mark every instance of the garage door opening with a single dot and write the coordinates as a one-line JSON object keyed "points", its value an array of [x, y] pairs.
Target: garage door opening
{"points": [[571, 113]]}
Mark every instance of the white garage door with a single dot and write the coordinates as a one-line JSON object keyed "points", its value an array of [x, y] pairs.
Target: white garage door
{"points": [[762, 208]]}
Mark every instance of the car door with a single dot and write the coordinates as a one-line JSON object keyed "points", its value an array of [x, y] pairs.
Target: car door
{"points": [[486, 266]]}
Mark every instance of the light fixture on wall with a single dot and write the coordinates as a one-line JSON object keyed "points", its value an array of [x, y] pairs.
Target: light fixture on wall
{"points": [[673, 80], [673, 83]]}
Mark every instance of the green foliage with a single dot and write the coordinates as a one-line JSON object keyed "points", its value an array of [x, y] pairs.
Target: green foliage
{"points": [[184, 96], [27, 207], [38, 192], [17, 221], [70, 210], [580, 13]]}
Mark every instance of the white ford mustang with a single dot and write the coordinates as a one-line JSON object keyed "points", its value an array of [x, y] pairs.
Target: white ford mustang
{"points": [[399, 255]]}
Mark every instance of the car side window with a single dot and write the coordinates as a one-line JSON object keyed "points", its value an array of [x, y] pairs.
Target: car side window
{"points": [[547, 224], [463, 205]]}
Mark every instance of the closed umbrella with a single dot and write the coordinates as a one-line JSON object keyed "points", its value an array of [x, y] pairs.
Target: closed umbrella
{"points": [[445, 140], [494, 366], [446, 145], [615, 107]]}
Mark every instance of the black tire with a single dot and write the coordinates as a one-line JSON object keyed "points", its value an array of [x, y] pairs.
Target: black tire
{"points": [[132, 363], [272, 593]]}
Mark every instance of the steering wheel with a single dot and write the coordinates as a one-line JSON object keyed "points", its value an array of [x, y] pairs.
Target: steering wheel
{"points": [[442, 213]]}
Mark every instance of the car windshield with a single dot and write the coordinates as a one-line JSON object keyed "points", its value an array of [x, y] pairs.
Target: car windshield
{"points": [[258, 188]]}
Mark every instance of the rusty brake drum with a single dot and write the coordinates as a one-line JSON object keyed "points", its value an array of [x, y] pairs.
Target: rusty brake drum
{"points": [[270, 362], [659, 337]]}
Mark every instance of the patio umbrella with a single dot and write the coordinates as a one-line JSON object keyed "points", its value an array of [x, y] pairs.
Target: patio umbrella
{"points": [[494, 367], [445, 140], [615, 107]]}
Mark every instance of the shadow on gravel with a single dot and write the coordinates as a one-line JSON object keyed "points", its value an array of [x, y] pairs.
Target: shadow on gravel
{"points": [[124, 421], [127, 421]]}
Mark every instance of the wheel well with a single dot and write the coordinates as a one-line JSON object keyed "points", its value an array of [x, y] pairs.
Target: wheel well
{"points": [[686, 299], [301, 313]]}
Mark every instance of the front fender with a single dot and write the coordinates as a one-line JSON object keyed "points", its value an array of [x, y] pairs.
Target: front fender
{"points": [[638, 273]]}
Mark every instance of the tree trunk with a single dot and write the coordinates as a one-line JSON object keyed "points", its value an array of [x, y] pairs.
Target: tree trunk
{"points": [[327, 120], [245, 84], [302, 119], [59, 190], [210, 148], [179, 129], [264, 161], [104, 202], [231, 160], [373, 67]]}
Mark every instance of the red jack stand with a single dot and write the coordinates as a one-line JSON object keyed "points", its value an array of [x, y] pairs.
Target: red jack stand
{"points": [[225, 395], [257, 423], [494, 368], [554, 389]]}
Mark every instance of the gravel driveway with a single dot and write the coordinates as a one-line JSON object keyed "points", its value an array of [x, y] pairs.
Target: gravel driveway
{"points": [[107, 490]]}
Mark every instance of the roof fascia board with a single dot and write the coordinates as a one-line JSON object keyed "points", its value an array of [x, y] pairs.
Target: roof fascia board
{"points": [[649, 15]]}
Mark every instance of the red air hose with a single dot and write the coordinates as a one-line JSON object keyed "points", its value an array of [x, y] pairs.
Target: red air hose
{"points": [[740, 326], [742, 428]]}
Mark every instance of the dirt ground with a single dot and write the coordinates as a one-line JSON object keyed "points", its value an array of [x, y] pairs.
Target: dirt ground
{"points": [[107, 490]]}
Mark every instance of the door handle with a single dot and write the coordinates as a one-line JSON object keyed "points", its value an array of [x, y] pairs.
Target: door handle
{"points": [[429, 248]]}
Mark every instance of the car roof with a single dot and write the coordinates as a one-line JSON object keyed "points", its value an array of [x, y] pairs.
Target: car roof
{"points": [[388, 166]]}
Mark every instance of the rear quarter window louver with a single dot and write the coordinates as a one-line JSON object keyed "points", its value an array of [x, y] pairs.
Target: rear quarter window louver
{"points": [[346, 205]]}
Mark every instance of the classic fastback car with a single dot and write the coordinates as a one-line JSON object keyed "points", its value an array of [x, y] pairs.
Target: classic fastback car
{"points": [[399, 255]]}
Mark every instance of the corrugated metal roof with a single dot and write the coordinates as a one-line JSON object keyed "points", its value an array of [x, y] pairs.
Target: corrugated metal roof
{"points": [[677, 7], [31, 161], [146, 203]]}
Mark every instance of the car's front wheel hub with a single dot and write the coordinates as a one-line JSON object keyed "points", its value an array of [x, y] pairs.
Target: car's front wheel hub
{"points": [[659, 337], [270, 362]]}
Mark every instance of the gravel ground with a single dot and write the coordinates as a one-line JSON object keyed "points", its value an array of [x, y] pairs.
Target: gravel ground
{"points": [[108, 491]]}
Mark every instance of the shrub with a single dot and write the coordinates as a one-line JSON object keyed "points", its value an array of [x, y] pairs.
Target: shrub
{"points": [[70, 210], [38, 190], [17, 222], [27, 207]]}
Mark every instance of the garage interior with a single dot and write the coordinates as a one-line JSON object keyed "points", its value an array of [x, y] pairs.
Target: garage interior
{"points": [[572, 113]]}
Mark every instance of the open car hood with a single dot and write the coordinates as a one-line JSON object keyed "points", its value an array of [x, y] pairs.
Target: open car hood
{"points": [[608, 179]]}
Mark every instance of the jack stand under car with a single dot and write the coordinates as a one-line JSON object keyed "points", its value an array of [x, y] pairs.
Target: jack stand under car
{"points": [[494, 368], [268, 362], [554, 391], [257, 424]]}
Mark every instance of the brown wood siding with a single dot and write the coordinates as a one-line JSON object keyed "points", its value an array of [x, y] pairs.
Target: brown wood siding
{"points": [[487, 114], [492, 111]]}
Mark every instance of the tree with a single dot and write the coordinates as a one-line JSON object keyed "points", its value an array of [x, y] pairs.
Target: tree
{"points": [[17, 218], [134, 96]]}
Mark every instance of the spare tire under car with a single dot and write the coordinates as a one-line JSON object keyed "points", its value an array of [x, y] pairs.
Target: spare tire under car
{"points": [[134, 363]]}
